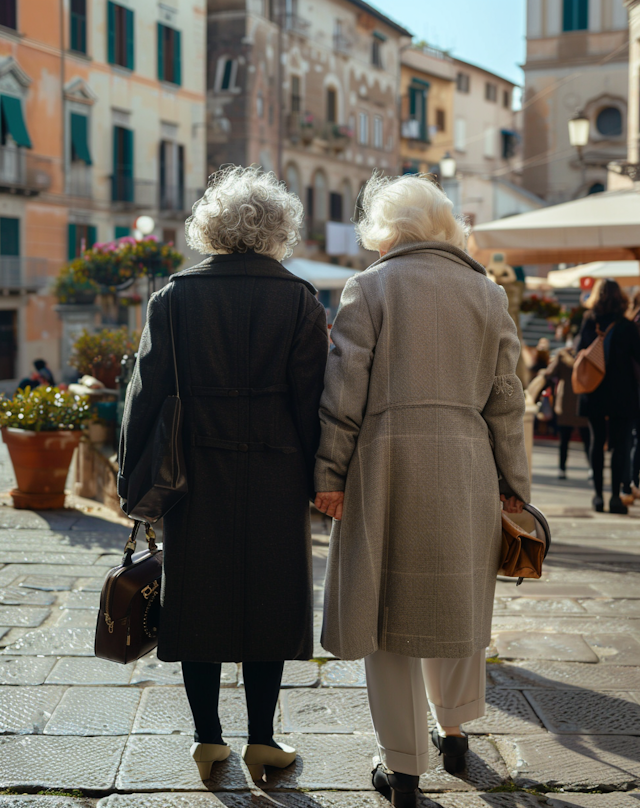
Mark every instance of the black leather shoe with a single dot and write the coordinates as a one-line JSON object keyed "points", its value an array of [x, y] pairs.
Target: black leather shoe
{"points": [[616, 505], [400, 789], [453, 749], [598, 504]]}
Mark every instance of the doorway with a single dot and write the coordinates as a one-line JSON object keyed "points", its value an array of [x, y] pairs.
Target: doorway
{"points": [[8, 343]]}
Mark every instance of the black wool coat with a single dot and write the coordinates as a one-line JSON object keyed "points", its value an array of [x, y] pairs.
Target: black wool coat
{"points": [[617, 395], [252, 343]]}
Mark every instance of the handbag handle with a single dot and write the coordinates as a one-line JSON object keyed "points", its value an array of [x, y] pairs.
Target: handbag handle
{"points": [[130, 546], [173, 344]]}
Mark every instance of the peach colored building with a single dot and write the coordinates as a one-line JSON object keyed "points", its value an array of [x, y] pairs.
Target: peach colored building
{"points": [[102, 119]]}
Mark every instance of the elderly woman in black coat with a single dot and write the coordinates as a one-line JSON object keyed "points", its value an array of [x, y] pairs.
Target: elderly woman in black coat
{"points": [[252, 343]]}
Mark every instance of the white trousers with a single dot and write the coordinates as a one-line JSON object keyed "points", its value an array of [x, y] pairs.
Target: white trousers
{"points": [[401, 689]]}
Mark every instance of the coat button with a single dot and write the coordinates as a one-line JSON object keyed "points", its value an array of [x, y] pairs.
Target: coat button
{"points": [[233, 392], [243, 447]]}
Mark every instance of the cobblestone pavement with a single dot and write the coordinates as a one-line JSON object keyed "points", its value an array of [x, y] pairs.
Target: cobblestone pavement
{"points": [[562, 727]]}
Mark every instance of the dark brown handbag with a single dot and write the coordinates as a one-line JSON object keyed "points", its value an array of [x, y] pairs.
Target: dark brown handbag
{"points": [[127, 626], [158, 480], [523, 552]]}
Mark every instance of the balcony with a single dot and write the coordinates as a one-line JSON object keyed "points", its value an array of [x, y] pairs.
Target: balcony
{"points": [[342, 44], [79, 180], [300, 127], [178, 199], [296, 24], [23, 172], [130, 193], [337, 136], [19, 274], [412, 130]]}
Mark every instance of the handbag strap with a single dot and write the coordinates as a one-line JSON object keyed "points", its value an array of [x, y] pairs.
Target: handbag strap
{"points": [[130, 546], [173, 343]]}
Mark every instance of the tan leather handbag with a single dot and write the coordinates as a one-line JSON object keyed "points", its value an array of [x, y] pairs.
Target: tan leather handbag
{"points": [[590, 366], [522, 551]]}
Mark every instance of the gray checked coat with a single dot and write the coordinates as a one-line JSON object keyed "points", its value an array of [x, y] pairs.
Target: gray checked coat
{"points": [[422, 427]]}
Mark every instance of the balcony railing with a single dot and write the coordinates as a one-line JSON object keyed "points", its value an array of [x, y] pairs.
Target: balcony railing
{"points": [[18, 272], [296, 24], [412, 129], [342, 43], [22, 171], [79, 180], [128, 192]]}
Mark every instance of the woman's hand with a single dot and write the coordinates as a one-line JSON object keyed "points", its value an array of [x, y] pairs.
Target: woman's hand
{"points": [[511, 504], [330, 502]]}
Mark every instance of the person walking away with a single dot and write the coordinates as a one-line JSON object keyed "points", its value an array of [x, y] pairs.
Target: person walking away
{"points": [[614, 403], [566, 405], [422, 436], [634, 488], [251, 342]]}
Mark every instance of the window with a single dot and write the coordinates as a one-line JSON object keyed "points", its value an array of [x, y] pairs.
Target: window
{"points": [[80, 139], [260, 104], [12, 121], [9, 236], [609, 122], [226, 74], [363, 129], [490, 92], [121, 231], [169, 55], [292, 178], [335, 207], [120, 35], [296, 100], [575, 15], [169, 235], [332, 105], [509, 143], [463, 82], [122, 179], [417, 128], [8, 15], [319, 197], [441, 120], [376, 48], [81, 237], [506, 99], [78, 22], [460, 135], [347, 201], [596, 188], [378, 133], [489, 141], [171, 176]]}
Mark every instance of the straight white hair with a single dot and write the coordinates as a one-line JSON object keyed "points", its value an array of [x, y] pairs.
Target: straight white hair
{"points": [[407, 209]]}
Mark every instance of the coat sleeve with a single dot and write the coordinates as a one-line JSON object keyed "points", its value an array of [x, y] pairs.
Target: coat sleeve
{"points": [[346, 387], [504, 413], [305, 371], [152, 381]]}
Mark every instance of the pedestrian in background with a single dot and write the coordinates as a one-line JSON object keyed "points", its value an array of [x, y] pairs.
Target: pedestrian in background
{"points": [[566, 406], [422, 432], [634, 487], [614, 403], [251, 342], [542, 356]]}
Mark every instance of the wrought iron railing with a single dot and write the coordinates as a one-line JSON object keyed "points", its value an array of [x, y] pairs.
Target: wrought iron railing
{"points": [[22, 170], [18, 272]]}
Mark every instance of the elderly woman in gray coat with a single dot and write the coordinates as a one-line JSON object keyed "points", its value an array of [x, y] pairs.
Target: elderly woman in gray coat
{"points": [[422, 437]]}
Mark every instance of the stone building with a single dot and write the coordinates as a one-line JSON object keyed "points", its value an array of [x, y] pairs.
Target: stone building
{"points": [[577, 62], [309, 90], [633, 128], [103, 115]]}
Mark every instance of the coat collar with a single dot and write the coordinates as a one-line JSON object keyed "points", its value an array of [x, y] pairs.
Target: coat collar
{"points": [[249, 263], [434, 247]]}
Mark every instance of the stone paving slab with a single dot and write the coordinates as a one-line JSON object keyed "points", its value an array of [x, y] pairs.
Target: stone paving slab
{"points": [[88, 585], [153, 670], [535, 605], [77, 618], [54, 642], [24, 616], [255, 799], [87, 671], [615, 649], [538, 645], [574, 762], [326, 711], [508, 713], [75, 570], [617, 800], [342, 673], [82, 600], [485, 769], [94, 711], [540, 589], [514, 800], [34, 801], [26, 710], [540, 673], [62, 763], [16, 595], [578, 712], [296, 674], [622, 607], [47, 583], [36, 556], [25, 670], [565, 624], [29, 520]]}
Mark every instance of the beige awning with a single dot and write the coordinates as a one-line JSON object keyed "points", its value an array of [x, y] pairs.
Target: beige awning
{"points": [[321, 274], [625, 272]]}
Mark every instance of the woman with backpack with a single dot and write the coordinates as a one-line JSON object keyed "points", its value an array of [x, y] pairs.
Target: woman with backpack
{"points": [[616, 397]]}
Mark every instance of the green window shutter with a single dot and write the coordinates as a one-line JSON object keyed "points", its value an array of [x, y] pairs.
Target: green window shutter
{"points": [[111, 32], [160, 51], [80, 138], [121, 232], [226, 77], [583, 15], [130, 28], [127, 164], [71, 242], [9, 236], [13, 120], [177, 58], [92, 235], [412, 101]]}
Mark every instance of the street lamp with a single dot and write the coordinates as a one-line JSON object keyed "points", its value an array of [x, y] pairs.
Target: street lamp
{"points": [[145, 225], [579, 131], [448, 167]]}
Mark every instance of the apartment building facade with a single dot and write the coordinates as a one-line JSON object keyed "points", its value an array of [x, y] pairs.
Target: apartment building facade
{"points": [[309, 90], [577, 62], [633, 122], [103, 119]]}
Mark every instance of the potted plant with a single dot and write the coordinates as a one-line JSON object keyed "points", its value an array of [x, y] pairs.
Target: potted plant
{"points": [[41, 428], [100, 354], [69, 290]]}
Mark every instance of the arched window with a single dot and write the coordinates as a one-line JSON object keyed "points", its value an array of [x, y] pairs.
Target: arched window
{"points": [[596, 188], [292, 178], [609, 122], [320, 197], [332, 105]]}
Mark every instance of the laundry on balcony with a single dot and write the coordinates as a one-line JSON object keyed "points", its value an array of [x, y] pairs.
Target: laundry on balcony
{"points": [[13, 120]]}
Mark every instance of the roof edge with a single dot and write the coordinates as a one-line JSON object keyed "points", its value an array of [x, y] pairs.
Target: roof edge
{"points": [[375, 13]]}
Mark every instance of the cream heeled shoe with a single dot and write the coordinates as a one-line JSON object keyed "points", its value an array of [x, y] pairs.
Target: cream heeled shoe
{"points": [[206, 754], [257, 756]]}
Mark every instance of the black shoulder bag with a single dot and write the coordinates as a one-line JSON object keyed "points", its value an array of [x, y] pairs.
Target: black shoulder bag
{"points": [[158, 481]]}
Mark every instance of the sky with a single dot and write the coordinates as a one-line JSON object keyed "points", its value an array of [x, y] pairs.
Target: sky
{"points": [[489, 33]]}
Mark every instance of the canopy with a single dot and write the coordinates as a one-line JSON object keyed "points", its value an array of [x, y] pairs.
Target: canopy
{"points": [[605, 226], [320, 274], [625, 272]]}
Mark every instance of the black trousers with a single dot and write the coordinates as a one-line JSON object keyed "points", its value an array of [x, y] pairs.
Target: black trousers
{"points": [[261, 685], [620, 445], [635, 468], [565, 437]]}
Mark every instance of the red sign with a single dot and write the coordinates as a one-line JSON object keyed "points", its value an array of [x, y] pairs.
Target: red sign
{"points": [[586, 284]]}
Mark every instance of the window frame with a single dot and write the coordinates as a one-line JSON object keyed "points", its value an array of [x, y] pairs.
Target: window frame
{"points": [[378, 132], [13, 13], [575, 15], [221, 73], [295, 99], [169, 44], [121, 26], [77, 19], [363, 128], [463, 82], [332, 104], [441, 120], [491, 92]]}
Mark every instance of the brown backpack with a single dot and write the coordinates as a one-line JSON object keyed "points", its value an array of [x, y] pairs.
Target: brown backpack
{"points": [[590, 365]]}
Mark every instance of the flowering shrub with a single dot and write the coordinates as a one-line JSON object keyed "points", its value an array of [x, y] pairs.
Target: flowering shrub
{"points": [[93, 354], [545, 307], [68, 289], [44, 409], [567, 321]]}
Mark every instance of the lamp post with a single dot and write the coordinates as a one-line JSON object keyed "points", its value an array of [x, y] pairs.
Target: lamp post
{"points": [[450, 185], [579, 131]]}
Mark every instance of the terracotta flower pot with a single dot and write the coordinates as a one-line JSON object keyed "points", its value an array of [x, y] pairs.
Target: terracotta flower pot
{"points": [[108, 376], [41, 463]]}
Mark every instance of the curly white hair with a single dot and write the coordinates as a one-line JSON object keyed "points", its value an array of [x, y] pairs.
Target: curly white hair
{"points": [[245, 208], [405, 209]]}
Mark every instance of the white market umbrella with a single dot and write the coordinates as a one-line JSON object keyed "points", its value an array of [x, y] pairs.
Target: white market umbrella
{"points": [[618, 270]]}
